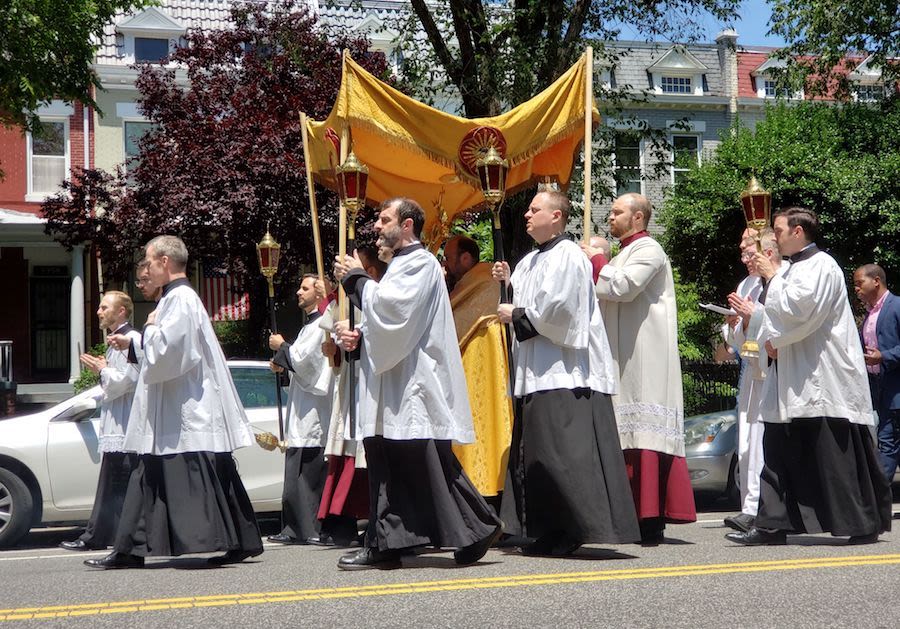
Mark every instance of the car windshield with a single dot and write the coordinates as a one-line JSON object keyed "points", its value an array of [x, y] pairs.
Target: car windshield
{"points": [[255, 386]]}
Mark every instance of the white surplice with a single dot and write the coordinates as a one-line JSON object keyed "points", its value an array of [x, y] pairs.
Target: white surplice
{"points": [[412, 384], [820, 371], [185, 400], [311, 394], [637, 297], [571, 351], [750, 429], [118, 380]]}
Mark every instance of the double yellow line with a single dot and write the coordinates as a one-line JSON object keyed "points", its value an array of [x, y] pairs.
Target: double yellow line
{"points": [[451, 585]]}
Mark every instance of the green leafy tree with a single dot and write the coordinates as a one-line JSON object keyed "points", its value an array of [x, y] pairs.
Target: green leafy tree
{"points": [[842, 162], [493, 55], [828, 38], [46, 51]]}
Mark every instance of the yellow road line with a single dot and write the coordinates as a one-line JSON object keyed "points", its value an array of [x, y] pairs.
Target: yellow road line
{"points": [[393, 589]]}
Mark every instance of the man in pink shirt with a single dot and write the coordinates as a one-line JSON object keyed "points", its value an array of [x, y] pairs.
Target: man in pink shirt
{"points": [[880, 335]]}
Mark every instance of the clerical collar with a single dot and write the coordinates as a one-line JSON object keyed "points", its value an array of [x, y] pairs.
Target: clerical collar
{"points": [[408, 249], [630, 239], [804, 254], [125, 328], [312, 316], [181, 281], [548, 245]]}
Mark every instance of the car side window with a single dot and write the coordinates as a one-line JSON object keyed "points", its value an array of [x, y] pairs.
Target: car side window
{"points": [[255, 387]]}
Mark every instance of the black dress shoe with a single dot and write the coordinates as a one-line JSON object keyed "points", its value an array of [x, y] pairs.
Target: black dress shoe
{"points": [[281, 538], [79, 545], [116, 560], [859, 540], [233, 556], [323, 539], [473, 552], [758, 537], [367, 558], [740, 522]]}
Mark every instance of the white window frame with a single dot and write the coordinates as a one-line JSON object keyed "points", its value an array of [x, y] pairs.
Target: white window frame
{"points": [[692, 86], [628, 129], [761, 90], [690, 134], [872, 86], [31, 195]]}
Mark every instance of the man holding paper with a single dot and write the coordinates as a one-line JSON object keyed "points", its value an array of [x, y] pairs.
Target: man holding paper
{"points": [[748, 301]]}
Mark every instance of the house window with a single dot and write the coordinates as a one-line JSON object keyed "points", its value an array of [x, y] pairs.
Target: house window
{"points": [[676, 85], [150, 49], [134, 131], [685, 155], [869, 93], [628, 163], [48, 157], [772, 90]]}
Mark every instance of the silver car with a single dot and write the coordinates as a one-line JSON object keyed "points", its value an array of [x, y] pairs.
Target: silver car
{"points": [[710, 446], [49, 462]]}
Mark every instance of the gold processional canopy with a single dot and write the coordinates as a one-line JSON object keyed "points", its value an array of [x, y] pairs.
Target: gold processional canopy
{"points": [[418, 151]]}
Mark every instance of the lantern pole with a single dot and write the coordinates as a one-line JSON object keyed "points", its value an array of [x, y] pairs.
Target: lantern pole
{"points": [[268, 252], [352, 179], [757, 206]]}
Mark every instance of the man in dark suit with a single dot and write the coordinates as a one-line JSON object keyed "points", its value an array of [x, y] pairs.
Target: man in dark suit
{"points": [[880, 334]]}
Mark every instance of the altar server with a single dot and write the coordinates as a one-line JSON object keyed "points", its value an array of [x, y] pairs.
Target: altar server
{"points": [[118, 375], [821, 471], [567, 483], [185, 496], [310, 399], [413, 402]]}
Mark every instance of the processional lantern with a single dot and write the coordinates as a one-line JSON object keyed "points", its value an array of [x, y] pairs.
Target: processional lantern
{"points": [[352, 180], [757, 205], [492, 169], [268, 252]]}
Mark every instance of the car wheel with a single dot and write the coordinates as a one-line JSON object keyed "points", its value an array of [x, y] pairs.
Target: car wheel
{"points": [[733, 489], [16, 508]]}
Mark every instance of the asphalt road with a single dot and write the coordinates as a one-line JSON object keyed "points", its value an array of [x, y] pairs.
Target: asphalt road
{"points": [[696, 579]]}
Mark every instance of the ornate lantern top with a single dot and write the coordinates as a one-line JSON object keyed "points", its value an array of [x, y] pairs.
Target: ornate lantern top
{"points": [[492, 169], [352, 178], [268, 251], [757, 205]]}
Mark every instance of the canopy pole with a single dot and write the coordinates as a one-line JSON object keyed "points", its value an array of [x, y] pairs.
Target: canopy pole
{"points": [[351, 315], [588, 124], [313, 208]]}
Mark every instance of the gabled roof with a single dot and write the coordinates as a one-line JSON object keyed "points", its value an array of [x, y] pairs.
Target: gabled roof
{"points": [[678, 58], [769, 64], [151, 19], [866, 71]]}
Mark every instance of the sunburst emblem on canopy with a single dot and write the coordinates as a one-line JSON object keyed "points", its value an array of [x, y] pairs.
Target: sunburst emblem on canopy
{"points": [[475, 145]]}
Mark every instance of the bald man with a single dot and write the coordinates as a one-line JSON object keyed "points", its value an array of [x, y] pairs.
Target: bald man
{"points": [[637, 298]]}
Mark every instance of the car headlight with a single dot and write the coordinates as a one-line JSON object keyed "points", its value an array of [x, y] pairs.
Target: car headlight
{"points": [[703, 429]]}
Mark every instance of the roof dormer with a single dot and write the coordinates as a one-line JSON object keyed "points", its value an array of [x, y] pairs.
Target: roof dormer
{"points": [[678, 73], [766, 86], [149, 36]]}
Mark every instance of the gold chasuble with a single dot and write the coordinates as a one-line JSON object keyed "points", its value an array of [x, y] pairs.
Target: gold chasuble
{"points": [[482, 344]]}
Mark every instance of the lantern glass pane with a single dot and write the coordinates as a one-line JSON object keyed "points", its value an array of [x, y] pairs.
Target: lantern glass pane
{"points": [[350, 181], [274, 255], [483, 176], [263, 257], [363, 184]]}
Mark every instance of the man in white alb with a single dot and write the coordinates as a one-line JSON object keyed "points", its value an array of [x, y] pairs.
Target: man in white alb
{"points": [[412, 402]]}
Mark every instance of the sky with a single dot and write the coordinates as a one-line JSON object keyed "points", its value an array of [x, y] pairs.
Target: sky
{"points": [[752, 27]]}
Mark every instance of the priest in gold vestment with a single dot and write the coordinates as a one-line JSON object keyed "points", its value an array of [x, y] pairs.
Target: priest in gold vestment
{"points": [[473, 297]]}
